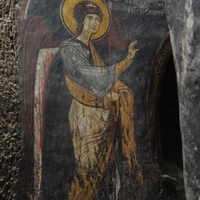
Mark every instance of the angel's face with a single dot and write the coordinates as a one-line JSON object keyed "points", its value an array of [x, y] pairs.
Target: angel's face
{"points": [[91, 23]]}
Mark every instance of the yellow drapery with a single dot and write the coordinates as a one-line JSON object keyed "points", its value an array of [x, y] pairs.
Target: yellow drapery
{"points": [[119, 100]]}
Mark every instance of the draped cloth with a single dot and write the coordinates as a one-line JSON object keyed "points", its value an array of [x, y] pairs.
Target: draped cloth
{"points": [[93, 115]]}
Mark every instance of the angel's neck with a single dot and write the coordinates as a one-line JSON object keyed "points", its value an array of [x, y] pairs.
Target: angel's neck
{"points": [[84, 37]]}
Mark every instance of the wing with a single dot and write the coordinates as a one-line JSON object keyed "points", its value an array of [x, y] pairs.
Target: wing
{"points": [[116, 37], [37, 53]]}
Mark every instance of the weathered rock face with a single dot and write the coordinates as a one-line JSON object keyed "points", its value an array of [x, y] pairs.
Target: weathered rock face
{"points": [[184, 25], [10, 137]]}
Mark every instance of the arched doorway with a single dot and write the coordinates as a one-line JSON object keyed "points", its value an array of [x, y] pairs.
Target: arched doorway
{"points": [[163, 116]]}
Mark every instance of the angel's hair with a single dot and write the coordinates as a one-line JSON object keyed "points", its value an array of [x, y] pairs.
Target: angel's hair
{"points": [[81, 10]]}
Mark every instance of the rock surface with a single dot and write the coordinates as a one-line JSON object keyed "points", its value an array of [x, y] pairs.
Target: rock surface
{"points": [[184, 24]]}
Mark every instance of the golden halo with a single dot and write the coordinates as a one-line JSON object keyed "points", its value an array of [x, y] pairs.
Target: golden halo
{"points": [[70, 23]]}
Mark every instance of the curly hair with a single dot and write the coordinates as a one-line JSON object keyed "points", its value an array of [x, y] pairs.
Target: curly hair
{"points": [[81, 10]]}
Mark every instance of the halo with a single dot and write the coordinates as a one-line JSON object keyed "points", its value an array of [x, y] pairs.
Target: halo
{"points": [[70, 23]]}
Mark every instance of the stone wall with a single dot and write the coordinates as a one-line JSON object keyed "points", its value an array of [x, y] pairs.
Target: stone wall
{"points": [[10, 139], [184, 25]]}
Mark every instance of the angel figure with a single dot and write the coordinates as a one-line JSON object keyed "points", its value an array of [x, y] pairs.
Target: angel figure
{"points": [[98, 99], [101, 107]]}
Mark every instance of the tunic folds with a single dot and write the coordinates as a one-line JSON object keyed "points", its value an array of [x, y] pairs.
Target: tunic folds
{"points": [[79, 67], [98, 99]]}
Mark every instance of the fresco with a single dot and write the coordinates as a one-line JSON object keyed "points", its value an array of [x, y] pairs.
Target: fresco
{"points": [[84, 77]]}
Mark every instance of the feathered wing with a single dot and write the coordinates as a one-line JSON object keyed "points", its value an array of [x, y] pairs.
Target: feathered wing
{"points": [[37, 53]]}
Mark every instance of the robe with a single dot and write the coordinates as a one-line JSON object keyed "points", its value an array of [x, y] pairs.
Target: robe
{"points": [[98, 100]]}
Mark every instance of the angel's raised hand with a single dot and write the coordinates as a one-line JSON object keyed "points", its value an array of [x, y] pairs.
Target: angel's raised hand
{"points": [[132, 50]]}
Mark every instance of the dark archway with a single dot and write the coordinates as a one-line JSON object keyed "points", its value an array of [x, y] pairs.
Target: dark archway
{"points": [[158, 70], [164, 124], [171, 142]]}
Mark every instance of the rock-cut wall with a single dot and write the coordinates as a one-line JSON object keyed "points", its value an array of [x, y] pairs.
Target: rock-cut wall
{"points": [[10, 136], [184, 25]]}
